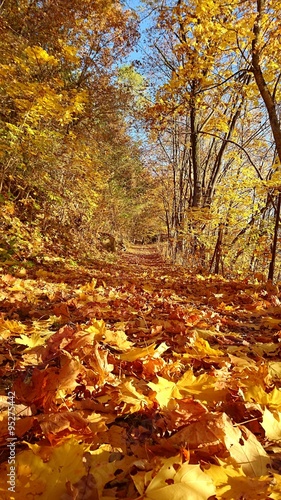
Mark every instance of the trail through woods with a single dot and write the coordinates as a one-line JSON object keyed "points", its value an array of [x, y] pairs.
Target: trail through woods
{"points": [[135, 379]]}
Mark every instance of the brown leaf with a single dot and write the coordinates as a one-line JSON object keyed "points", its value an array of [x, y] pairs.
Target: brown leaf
{"points": [[85, 489]]}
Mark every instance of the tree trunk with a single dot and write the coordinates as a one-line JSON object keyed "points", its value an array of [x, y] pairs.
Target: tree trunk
{"points": [[195, 156], [269, 101], [274, 246], [217, 255]]}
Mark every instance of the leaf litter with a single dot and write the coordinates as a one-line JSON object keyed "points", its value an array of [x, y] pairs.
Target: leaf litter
{"points": [[138, 380]]}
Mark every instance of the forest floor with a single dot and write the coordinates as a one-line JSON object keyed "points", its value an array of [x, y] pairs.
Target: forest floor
{"points": [[135, 379]]}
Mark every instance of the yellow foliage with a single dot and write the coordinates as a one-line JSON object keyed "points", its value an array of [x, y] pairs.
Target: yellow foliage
{"points": [[39, 55], [175, 480], [37, 465], [231, 482]]}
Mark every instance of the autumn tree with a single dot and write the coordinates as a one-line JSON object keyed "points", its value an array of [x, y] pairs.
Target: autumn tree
{"points": [[209, 98], [61, 109], [264, 54], [195, 110]]}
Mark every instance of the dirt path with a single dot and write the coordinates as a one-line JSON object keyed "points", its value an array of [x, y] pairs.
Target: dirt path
{"points": [[143, 255]]}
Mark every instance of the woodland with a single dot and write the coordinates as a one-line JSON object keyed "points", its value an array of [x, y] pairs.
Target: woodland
{"points": [[140, 249]]}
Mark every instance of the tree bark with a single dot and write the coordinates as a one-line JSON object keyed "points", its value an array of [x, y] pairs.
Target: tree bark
{"points": [[269, 101], [195, 156], [275, 239], [265, 93]]}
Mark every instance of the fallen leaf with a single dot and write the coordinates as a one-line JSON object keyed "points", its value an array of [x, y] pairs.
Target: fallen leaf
{"points": [[177, 481]]}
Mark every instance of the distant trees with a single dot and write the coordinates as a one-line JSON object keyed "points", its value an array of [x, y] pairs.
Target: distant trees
{"points": [[67, 160], [215, 120]]}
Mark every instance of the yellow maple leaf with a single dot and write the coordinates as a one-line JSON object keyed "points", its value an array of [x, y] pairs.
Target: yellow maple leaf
{"points": [[232, 483], [274, 369], [97, 329], [134, 400], [35, 467], [165, 391], [202, 349], [143, 352], [10, 327], [271, 422], [258, 395], [34, 340], [177, 481], [117, 338], [202, 387]]}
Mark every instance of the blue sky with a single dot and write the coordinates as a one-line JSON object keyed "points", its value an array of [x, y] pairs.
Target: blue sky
{"points": [[132, 3], [141, 50]]}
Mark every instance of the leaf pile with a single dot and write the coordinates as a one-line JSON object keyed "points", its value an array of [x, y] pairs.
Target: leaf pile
{"points": [[138, 380]]}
